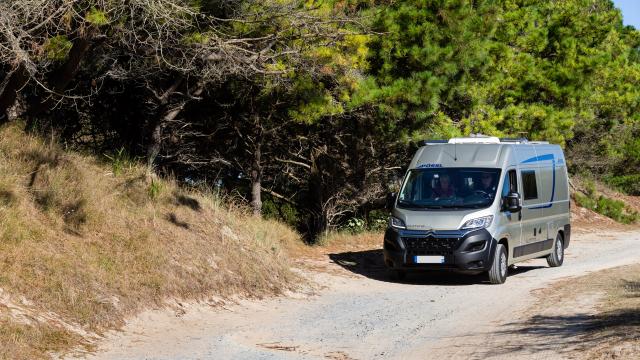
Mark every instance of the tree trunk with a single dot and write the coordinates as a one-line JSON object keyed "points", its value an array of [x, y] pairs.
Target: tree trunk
{"points": [[317, 220], [9, 88], [167, 114], [256, 176], [60, 79], [155, 142], [155, 134]]}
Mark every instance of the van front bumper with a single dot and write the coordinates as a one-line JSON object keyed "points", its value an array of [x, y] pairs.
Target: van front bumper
{"points": [[462, 250]]}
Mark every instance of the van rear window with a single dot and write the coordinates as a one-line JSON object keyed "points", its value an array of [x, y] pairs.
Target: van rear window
{"points": [[529, 184]]}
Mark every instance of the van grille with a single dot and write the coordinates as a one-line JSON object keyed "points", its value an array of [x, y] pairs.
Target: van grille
{"points": [[430, 245]]}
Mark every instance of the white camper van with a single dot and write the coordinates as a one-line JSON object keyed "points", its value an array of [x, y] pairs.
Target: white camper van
{"points": [[479, 204]]}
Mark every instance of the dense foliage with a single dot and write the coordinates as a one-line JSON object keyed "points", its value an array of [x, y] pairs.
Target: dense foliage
{"points": [[308, 109]]}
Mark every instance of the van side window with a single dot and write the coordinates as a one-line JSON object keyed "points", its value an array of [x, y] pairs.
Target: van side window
{"points": [[505, 186], [513, 181], [510, 183], [529, 185]]}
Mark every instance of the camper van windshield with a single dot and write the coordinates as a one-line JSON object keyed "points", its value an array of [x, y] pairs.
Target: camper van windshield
{"points": [[451, 188]]}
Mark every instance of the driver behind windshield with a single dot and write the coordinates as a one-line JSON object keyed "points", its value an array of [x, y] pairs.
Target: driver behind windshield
{"points": [[487, 184], [443, 188]]}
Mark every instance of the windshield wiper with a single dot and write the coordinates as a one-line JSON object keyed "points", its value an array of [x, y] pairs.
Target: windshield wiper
{"points": [[475, 206], [418, 206], [408, 204]]}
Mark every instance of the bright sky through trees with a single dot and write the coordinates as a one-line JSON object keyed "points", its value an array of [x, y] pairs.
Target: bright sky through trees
{"points": [[630, 11]]}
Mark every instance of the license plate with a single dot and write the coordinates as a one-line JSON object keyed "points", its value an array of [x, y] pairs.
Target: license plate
{"points": [[428, 259]]}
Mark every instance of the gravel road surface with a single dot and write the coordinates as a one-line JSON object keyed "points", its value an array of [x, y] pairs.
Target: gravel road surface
{"points": [[360, 314]]}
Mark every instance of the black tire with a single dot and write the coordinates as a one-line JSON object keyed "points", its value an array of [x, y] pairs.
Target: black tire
{"points": [[556, 258], [498, 271], [397, 275]]}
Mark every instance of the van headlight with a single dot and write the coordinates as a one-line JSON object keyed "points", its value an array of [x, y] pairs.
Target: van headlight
{"points": [[478, 223], [394, 222]]}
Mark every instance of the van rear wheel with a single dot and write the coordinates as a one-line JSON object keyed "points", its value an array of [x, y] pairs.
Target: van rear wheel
{"points": [[556, 257], [498, 271]]}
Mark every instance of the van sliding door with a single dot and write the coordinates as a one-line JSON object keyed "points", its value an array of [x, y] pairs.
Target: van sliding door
{"points": [[531, 212]]}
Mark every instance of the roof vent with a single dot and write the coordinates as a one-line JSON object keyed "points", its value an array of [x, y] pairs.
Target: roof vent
{"points": [[431, 142], [475, 139], [521, 140]]}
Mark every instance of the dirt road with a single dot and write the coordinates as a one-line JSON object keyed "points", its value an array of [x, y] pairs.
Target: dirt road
{"points": [[362, 315]]}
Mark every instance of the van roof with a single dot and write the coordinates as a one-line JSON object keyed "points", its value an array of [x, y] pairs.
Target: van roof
{"points": [[489, 154], [481, 139]]}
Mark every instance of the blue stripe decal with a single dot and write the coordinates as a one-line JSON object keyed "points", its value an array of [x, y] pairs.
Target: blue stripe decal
{"points": [[539, 158], [553, 188]]}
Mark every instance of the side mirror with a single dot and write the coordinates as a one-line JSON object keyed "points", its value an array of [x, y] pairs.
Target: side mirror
{"points": [[511, 202], [391, 200]]}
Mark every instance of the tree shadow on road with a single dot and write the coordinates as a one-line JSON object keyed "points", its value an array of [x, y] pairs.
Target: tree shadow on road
{"points": [[370, 263], [565, 333]]}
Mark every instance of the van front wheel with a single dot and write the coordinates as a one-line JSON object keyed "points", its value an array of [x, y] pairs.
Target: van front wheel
{"points": [[498, 271], [556, 257], [397, 275]]}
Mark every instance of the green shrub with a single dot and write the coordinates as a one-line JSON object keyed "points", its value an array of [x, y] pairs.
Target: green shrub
{"points": [[277, 210], [378, 220], [97, 17], [57, 48], [196, 38], [355, 225], [629, 184], [585, 201], [614, 209]]}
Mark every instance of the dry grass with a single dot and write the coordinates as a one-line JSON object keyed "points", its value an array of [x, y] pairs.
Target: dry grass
{"points": [[345, 241], [81, 248], [34, 341]]}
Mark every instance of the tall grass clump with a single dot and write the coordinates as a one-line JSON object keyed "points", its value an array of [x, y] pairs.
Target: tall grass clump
{"points": [[120, 161]]}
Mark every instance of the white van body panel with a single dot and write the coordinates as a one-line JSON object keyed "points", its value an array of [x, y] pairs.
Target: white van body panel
{"points": [[545, 211]]}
